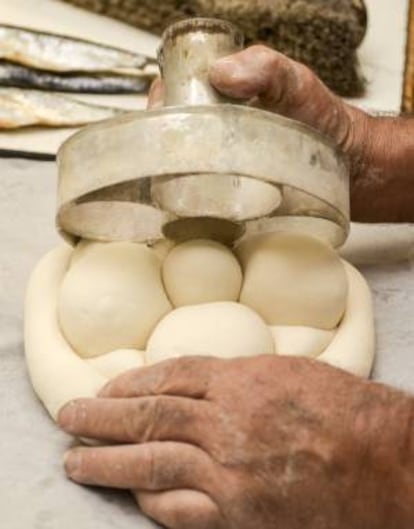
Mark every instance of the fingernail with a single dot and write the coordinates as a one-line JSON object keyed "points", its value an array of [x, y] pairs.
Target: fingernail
{"points": [[71, 462], [66, 415]]}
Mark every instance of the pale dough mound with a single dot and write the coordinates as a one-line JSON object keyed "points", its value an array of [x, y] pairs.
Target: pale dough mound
{"points": [[222, 329], [201, 271], [292, 340], [353, 346], [116, 362], [162, 248], [115, 315], [293, 279], [111, 297]]}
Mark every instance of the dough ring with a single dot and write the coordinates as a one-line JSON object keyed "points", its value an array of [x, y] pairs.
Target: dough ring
{"points": [[97, 310]]}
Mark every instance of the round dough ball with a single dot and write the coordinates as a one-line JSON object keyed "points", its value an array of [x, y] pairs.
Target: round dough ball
{"points": [[353, 347], [293, 279], [111, 298], [201, 271], [112, 364], [300, 341], [84, 248], [162, 248], [222, 329]]}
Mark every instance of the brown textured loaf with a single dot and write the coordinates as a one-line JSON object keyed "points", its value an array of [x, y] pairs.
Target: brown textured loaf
{"points": [[323, 34]]}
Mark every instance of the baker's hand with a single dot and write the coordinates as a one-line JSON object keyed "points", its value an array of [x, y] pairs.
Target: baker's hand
{"points": [[274, 82], [239, 444], [380, 150], [268, 79]]}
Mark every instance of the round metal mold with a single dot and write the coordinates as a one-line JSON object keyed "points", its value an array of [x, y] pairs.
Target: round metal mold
{"points": [[205, 168]]}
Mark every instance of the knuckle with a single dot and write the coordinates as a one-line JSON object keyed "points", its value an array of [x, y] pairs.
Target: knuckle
{"points": [[170, 371], [305, 82], [155, 415], [169, 367], [158, 376], [181, 366], [126, 383], [134, 421], [269, 58], [308, 77], [149, 465], [131, 425], [260, 49]]}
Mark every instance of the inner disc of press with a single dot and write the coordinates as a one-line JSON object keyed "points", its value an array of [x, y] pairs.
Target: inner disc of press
{"points": [[221, 230]]}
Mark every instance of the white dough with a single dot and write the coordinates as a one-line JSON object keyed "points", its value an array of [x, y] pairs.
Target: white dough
{"points": [[379, 243], [293, 340], [162, 248], [115, 287], [353, 347], [83, 249], [222, 329], [116, 362], [111, 298], [57, 373], [293, 279], [201, 271]]}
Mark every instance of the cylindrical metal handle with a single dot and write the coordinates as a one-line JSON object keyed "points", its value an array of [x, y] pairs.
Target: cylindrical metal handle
{"points": [[196, 171], [188, 49]]}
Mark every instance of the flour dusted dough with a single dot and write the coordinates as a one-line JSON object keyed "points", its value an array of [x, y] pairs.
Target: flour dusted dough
{"points": [[111, 298], [162, 248], [222, 329], [293, 340], [201, 271], [112, 364], [293, 279], [57, 373], [111, 276], [353, 347]]}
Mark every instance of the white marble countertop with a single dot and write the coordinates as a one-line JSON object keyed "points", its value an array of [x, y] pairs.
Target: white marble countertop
{"points": [[34, 493]]}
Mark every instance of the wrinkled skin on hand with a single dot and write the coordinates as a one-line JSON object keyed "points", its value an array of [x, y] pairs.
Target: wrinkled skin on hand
{"points": [[380, 150], [270, 80], [267, 442], [232, 444], [274, 82]]}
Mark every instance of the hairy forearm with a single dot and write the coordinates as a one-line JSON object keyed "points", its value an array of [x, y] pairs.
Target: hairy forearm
{"points": [[381, 150], [382, 180], [384, 491]]}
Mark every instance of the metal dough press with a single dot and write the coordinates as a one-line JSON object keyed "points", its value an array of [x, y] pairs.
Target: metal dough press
{"points": [[202, 166]]}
